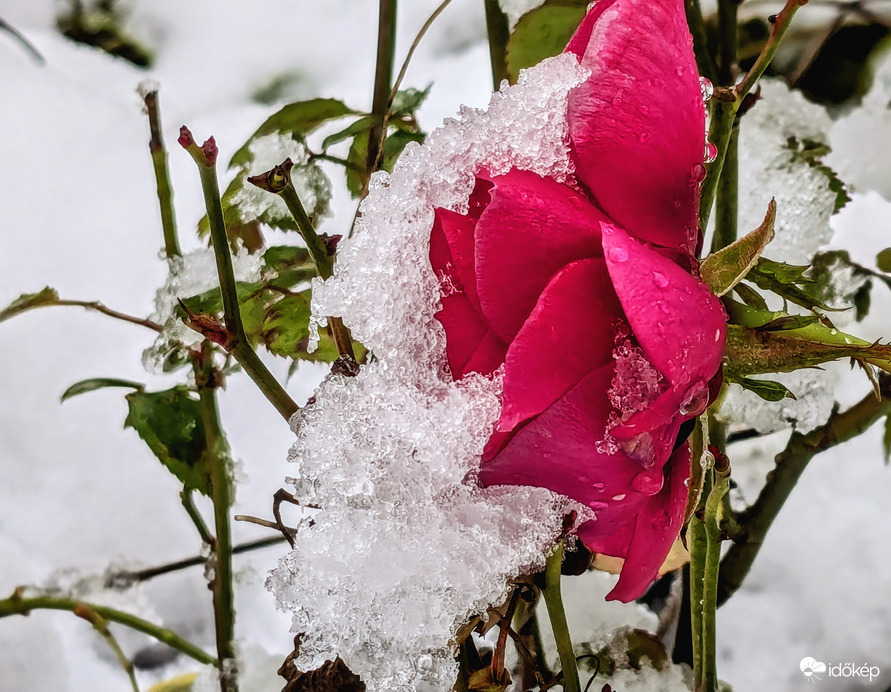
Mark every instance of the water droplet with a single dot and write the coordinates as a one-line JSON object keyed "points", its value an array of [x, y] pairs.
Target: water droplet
{"points": [[618, 254], [648, 483], [833, 331], [717, 335], [618, 498], [640, 448], [660, 279], [706, 88], [599, 487], [711, 152], [707, 460], [695, 400], [698, 174]]}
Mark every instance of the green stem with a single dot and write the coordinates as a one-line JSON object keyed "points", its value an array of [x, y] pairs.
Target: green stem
{"points": [[221, 486], [19, 605], [728, 101], [101, 626], [188, 502], [789, 465], [727, 202], [383, 79], [241, 349], [697, 543], [162, 175], [704, 60], [557, 616], [728, 41], [498, 31], [713, 535]]}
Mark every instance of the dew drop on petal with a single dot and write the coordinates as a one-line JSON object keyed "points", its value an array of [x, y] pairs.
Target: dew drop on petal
{"points": [[695, 400], [706, 88], [599, 487], [711, 152], [660, 279], [640, 448], [648, 482], [618, 498], [618, 254], [698, 174]]}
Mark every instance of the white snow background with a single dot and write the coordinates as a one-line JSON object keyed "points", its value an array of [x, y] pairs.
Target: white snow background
{"points": [[78, 211]]}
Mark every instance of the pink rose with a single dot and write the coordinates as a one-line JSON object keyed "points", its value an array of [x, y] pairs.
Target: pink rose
{"points": [[588, 294]]}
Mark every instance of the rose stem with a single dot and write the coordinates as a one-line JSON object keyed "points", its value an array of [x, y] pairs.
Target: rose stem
{"points": [[728, 102], [713, 535], [557, 615], [278, 181], [205, 158], [162, 176], [698, 545], [790, 464], [383, 77], [19, 605], [704, 60], [101, 626], [498, 32]]}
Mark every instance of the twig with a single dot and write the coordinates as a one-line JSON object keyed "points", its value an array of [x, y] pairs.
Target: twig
{"points": [[704, 60], [278, 181], [383, 76], [557, 615], [162, 175], [728, 102], [188, 502], [498, 32], [126, 579], [99, 624], [497, 664], [205, 157], [790, 464], [18, 604], [25, 43], [535, 668], [219, 460], [96, 306]]}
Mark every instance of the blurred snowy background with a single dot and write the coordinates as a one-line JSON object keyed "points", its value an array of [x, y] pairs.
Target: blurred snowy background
{"points": [[79, 212]]}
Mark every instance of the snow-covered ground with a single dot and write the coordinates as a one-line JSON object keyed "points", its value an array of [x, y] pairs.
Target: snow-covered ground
{"points": [[79, 213]]}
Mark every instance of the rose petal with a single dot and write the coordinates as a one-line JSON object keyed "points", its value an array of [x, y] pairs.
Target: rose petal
{"points": [[678, 322], [569, 334], [637, 125], [470, 345], [558, 449], [656, 526], [532, 228]]}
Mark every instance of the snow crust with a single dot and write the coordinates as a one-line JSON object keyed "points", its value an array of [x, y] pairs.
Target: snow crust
{"points": [[406, 542]]}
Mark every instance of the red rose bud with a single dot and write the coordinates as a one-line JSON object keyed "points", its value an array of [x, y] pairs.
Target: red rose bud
{"points": [[185, 138], [210, 151], [589, 296]]}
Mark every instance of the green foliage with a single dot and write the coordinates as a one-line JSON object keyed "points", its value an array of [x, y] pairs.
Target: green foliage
{"points": [[95, 383], [812, 152], [886, 440], [542, 33], [100, 24], [827, 267], [883, 260], [766, 389], [274, 313], [787, 281], [29, 301], [724, 269], [169, 422]]}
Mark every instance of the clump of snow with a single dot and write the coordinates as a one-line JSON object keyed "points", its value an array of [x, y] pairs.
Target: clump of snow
{"points": [[311, 184], [406, 546], [768, 169], [861, 140], [674, 678], [636, 383], [189, 275]]}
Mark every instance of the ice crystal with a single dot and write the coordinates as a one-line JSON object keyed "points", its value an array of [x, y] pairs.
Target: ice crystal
{"points": [[768, 137], [636, 383], [407, 546], [189, 275]]}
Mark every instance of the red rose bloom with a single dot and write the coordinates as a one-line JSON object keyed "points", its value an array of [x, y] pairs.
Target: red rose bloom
{"points": [[587, 294]]}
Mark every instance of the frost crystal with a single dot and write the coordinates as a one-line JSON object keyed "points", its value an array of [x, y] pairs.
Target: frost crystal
{"points": [[804, 201], [406, 546], [311, 184], [636, 383], [190, 275]]}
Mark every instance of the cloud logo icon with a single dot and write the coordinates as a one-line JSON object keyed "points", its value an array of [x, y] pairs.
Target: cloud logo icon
{"points": [[810, 667]]}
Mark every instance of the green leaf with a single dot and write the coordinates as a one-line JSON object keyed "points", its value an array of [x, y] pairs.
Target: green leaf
{"points": [[280, 258], [723, 270], [29, 301], [356, 176], [766, 389], [835, 278], [784, 280], [883, 260], [407, 101], [286, 326], [180, 683], [169, 422], [95, 383], [811, 152], [787, 322], [750, 296], [365, 123], [542, 33], [296, 119]]}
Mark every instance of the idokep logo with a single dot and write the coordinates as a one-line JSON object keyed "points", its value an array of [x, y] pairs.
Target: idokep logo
{"points": [[811, 667]]}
